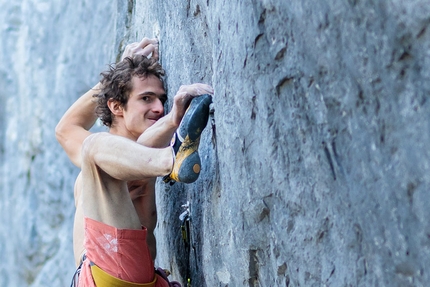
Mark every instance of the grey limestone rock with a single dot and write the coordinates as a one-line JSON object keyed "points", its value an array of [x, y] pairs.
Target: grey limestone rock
{"points": [[315, 158]]}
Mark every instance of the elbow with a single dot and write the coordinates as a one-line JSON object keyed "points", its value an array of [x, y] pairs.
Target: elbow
{"points": [[59, 132], [87, 149]]}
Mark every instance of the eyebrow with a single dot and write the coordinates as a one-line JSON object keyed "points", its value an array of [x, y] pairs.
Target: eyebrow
{"points": [[151, 94], [162, 97]]}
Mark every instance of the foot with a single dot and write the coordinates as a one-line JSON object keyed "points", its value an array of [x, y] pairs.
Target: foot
{"points": [[185, 141]]}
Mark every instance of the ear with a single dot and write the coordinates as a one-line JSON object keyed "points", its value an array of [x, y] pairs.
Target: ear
{"points": [[115, 107]]}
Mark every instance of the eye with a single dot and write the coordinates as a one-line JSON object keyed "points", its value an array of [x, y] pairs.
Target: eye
{"points": [[147, 99]]}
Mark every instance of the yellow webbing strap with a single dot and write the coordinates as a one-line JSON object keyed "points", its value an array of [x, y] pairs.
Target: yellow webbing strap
{"points": [[103, 279]]}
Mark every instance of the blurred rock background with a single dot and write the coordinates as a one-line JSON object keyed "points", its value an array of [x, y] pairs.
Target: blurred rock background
{"points": [[315, 160]]}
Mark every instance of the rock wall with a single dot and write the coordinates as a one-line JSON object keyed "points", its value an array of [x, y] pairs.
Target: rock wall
{"points": [[315, 161]]}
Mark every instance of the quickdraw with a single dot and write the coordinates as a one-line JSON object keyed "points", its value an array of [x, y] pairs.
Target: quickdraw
{"points": [[185, 218]]}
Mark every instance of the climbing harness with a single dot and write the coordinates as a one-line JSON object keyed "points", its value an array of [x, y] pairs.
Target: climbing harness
{"points": [[104, 279], [75, 279]]}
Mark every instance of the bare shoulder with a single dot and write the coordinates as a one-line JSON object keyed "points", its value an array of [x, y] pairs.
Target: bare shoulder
{"points": [[93, 141], [95, 137]]}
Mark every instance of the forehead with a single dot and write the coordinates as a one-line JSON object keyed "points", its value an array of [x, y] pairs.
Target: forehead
{"points": [[149, 84]]}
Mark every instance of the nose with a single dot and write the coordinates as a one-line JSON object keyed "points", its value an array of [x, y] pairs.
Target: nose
{"points": [[157, 107]]}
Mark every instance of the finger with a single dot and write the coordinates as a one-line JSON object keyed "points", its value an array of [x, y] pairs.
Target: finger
{"points": [[128, 51], [197, 89], [131, 47], [182, 99], [204, 89], [180, 95], [146, 41], [191, 90], [146, 51], [155, 53]]}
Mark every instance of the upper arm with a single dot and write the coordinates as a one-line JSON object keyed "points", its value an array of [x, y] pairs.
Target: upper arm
{"points": [[71, 138], [73, 127]]}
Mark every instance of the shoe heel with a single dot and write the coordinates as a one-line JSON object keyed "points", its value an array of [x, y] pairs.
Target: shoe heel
{"points": [[190, 168]]}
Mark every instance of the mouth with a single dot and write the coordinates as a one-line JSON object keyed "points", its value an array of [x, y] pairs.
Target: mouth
{"points": [[153, 120]]}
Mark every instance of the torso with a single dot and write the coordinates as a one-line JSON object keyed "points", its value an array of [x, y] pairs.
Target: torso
{"points": [[101, 191]]}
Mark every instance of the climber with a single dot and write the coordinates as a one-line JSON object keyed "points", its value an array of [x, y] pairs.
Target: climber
{"points": [[114, 243]]}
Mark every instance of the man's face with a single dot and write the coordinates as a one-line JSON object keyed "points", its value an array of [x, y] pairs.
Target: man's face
{"points": [[145, 104]]}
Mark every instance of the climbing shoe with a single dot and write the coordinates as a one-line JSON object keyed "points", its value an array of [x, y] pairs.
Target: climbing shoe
{"points": [[185, 141]]}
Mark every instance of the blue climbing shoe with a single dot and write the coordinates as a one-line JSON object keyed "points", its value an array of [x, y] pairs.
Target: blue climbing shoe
{"points": [[185, 141]]}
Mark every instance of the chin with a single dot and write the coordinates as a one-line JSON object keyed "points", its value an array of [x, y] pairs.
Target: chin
{"points": [[150, 123]]}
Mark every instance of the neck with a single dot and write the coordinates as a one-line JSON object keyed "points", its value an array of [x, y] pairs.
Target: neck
{"points": [[120, 130]]}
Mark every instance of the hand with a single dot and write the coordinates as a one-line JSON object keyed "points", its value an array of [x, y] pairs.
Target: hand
{"points": [[144, 47], [183, 98]]}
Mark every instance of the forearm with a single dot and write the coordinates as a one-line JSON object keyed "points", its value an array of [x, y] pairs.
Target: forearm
{"points": [[159, 134], [124, 159], [73, 127], [82, 112]]}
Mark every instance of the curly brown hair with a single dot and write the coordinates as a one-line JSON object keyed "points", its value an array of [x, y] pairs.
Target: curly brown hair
{"points": [[116, 82]]}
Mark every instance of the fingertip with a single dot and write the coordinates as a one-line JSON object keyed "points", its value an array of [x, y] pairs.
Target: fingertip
{"points": [[210, 90]]}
